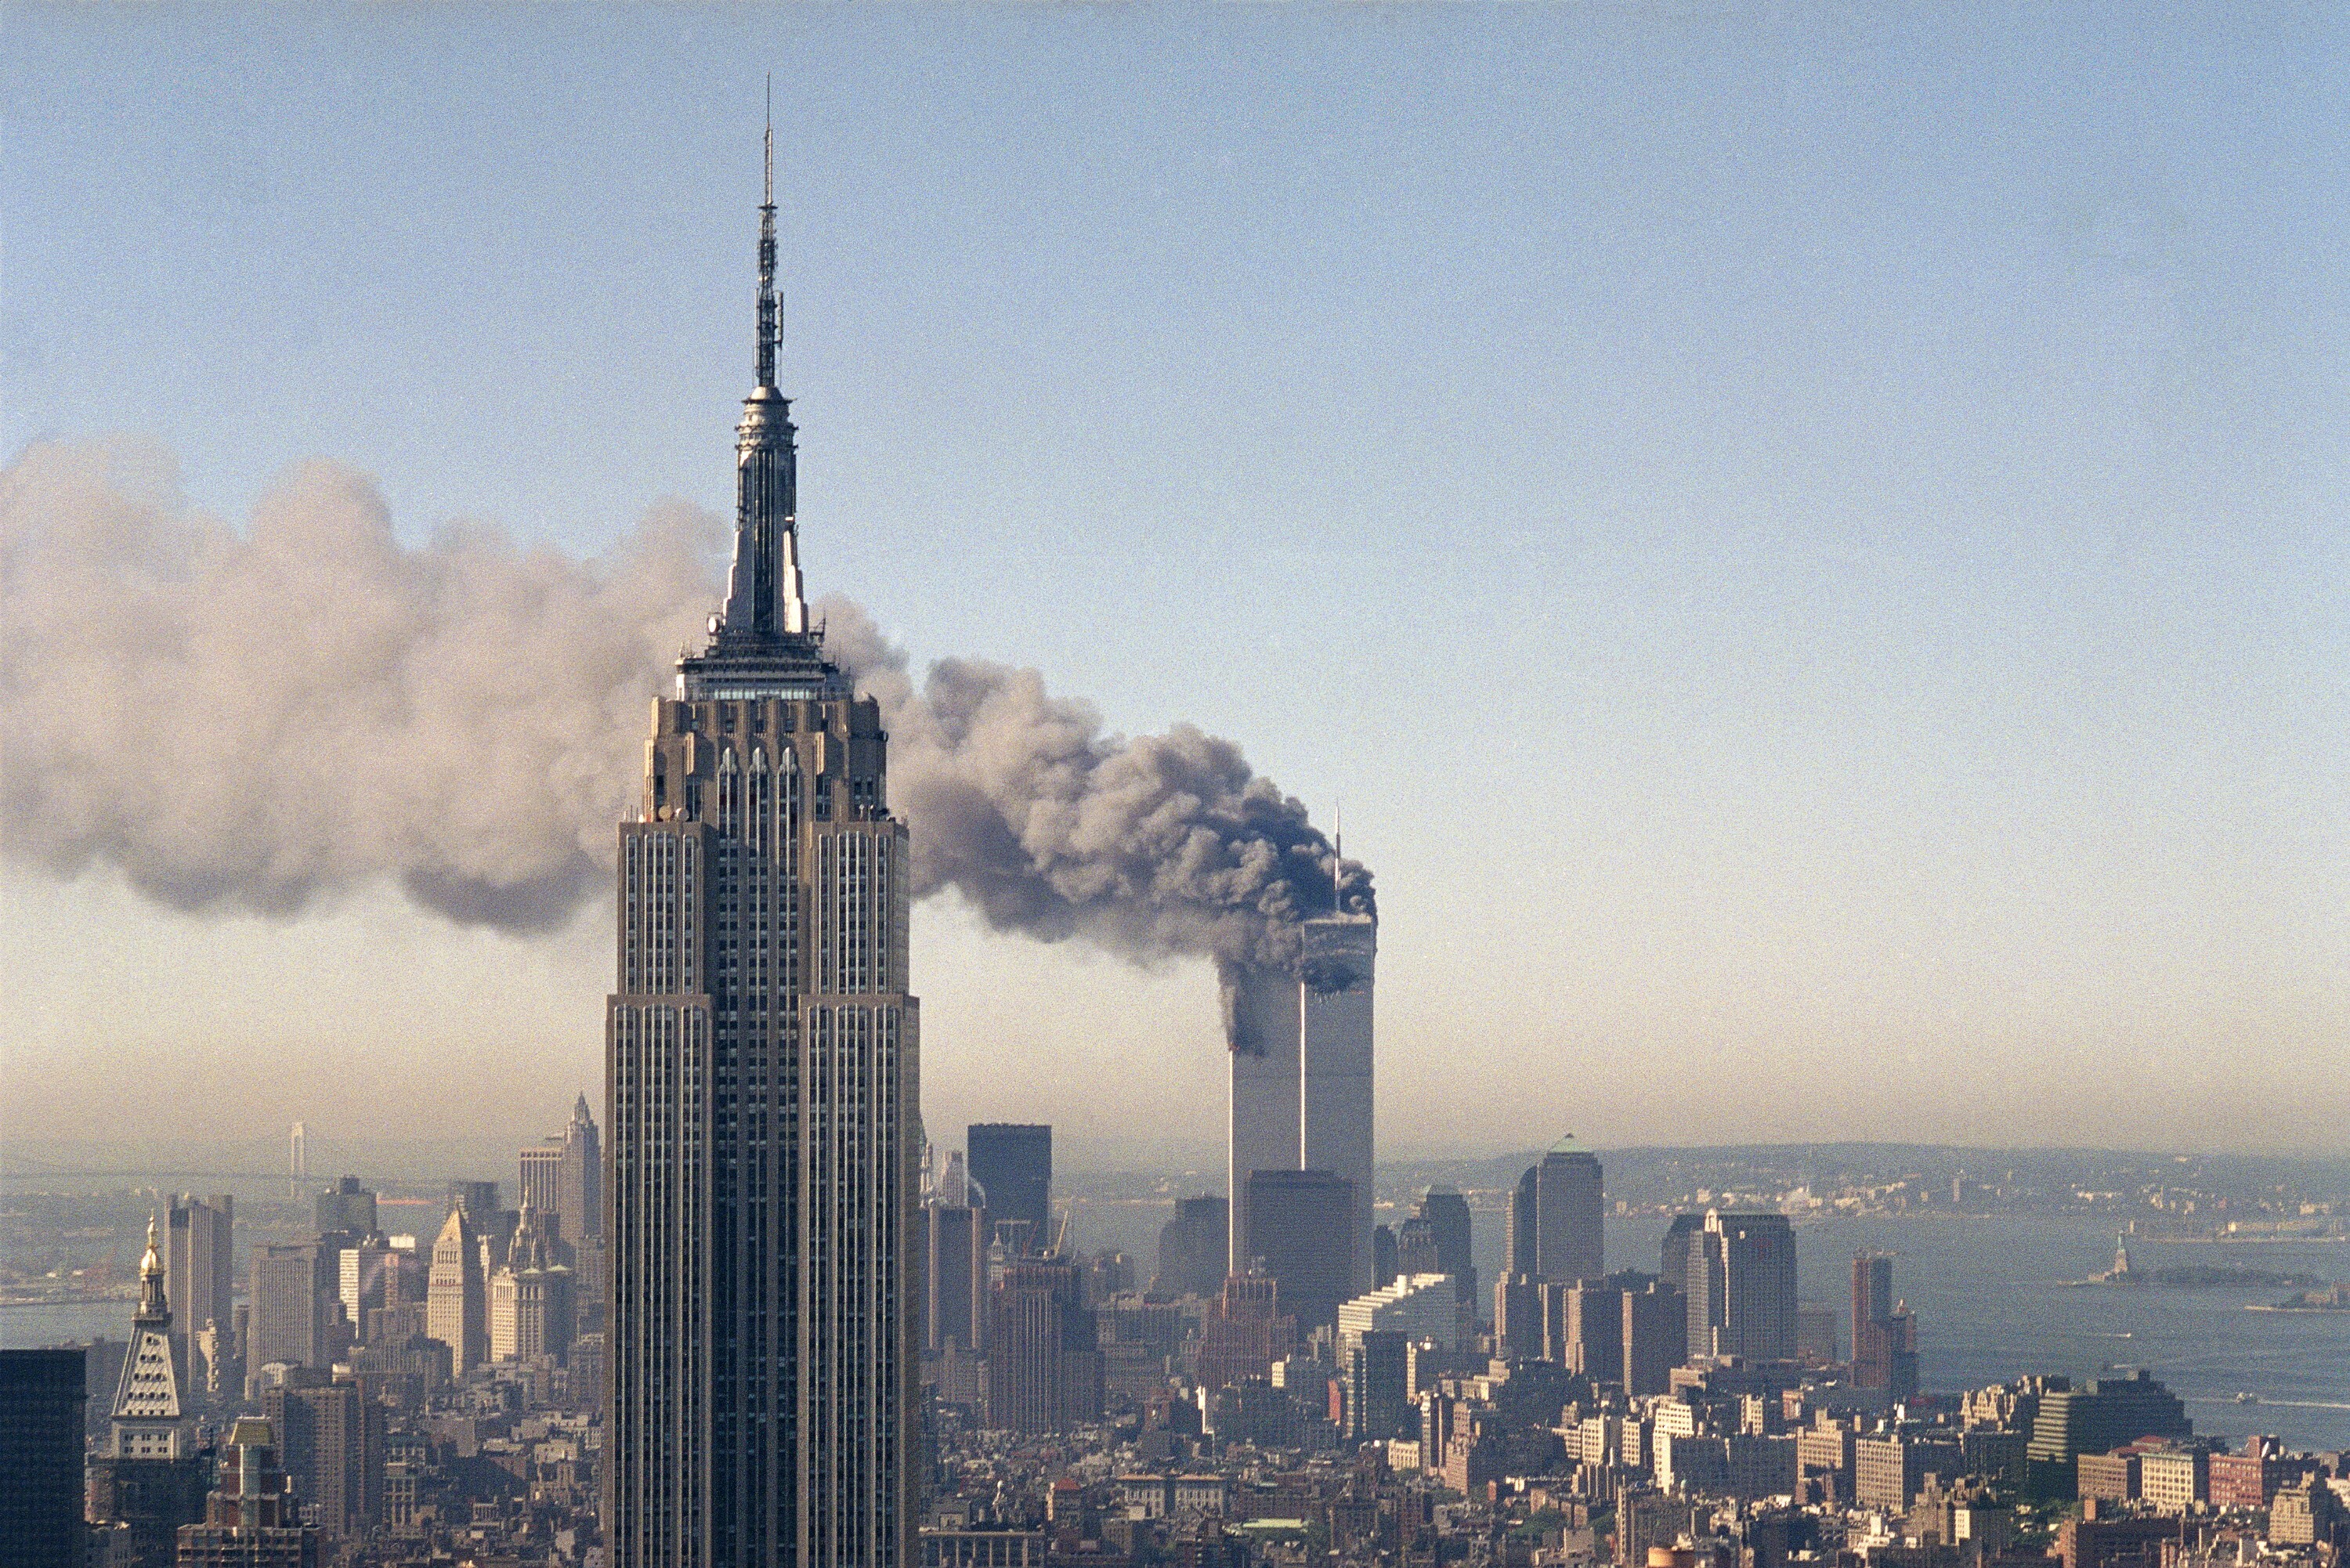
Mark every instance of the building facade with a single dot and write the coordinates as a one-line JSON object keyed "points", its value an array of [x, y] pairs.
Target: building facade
{"points": [[763, 1076], [41, 1397], [1741, 1287], [457, 1296], [1301, 1076], [1012, 1165], [1299, 1232], [1570, 1205], [199, 1258]]}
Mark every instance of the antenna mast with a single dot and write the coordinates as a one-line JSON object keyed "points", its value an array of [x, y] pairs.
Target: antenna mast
{"points": [[769, 314]]}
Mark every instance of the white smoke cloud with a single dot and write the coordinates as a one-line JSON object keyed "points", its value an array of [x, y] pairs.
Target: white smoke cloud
{"points": [[262, 720]]}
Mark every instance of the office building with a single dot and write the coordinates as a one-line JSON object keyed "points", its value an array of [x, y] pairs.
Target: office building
{"points": [[1590, 1319], [1680, 1236], [1193, 1248], [1444, 1216], [1376, 1362], [953, 1242], [531, 1297], [1656, 1337], [296, 1307], [1883, 1334], [200, 1257], [1300, 1227], [1815, 1336], [1043, 1360], [1570, 1205], [347, 1209], [369, 1277], [330, 1442], [1383, 1253], [2097, 1418], [477, 1201], [1245, 1332], [150, 1481], [456, 1294], [41, 1397], [1013, 1164], [249, 1520], [562, 1180], [1741, 1287], [1890, 1470], [1301, 1079], [763, 1081], [1419, 1307], [1518, 1317], [1521, 1229]]}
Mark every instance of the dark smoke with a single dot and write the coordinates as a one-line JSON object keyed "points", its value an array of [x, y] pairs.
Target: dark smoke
{"points": [[266, 720]]}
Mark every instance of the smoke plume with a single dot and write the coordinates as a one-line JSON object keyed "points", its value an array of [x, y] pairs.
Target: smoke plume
{"points": [[264, 720]]}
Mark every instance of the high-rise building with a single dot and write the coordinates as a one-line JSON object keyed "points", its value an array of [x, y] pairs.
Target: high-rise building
{"points": [[41, 1397], [1680, 1239], [1244, 1333], [1302, 1084], [531, 1297], [1521, 1229], [1569, 1208], [1383, 1253], [249, 1520], [562, 1179], [1419, 1307], [347, 1209], [1044, 1361], [200, 1259], [1194, 1249], [1299, 1232], [1741, 1287], [478, 1200], [1013, 1164], [953, 1247], [2095, 1419], [1376, 1362], [1445, 1213], [147, 1420], [1656, 1337], [149, 1480], [332, 1444], [763, 1081], [1883, 1334], [1591, 1325], [368, 1279], [456, 1294], [295, 1292]]}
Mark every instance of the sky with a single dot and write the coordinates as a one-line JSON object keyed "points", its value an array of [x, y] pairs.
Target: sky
{"points": [[1803, 541]]}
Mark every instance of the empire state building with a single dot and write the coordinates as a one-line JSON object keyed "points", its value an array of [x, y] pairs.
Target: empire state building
{"points": [[762, 1063]]}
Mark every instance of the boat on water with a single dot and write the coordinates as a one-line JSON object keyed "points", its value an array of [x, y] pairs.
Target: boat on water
{"points": [[2243, 1397]]}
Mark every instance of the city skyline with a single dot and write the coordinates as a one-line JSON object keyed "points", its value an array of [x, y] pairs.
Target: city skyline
{"points": [[1896, 577]]}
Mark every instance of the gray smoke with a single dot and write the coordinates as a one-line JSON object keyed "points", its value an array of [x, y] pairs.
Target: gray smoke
{"points": [[266, 720]]}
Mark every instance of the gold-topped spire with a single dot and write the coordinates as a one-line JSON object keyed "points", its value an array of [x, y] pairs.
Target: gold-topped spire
{"points": [[151, 1265]]}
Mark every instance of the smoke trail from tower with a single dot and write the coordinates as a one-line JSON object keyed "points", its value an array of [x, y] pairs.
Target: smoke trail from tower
{"points": [[268, 718]]}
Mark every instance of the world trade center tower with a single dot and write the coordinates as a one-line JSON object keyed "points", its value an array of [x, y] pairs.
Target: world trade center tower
{"points": [[763, 1070]]}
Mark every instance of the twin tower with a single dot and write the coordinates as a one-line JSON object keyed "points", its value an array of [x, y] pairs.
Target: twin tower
{"points": [[1300, 1114]]}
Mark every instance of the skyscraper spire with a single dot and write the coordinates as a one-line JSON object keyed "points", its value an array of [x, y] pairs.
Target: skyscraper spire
{"points": [[770, 323], [764, 601]]}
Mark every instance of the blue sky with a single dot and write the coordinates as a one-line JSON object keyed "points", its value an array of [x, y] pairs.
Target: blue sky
{"points": [[1805, 539]]}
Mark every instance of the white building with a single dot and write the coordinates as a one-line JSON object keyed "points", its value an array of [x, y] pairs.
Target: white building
{"points": [[1417, 1306]]}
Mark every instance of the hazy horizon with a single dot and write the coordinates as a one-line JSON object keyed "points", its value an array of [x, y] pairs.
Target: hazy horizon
{"points": [[1805, 545]]}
